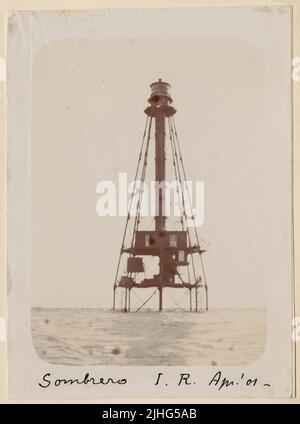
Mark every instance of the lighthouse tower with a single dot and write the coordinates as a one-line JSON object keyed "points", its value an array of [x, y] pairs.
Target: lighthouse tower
{"points": [[175, 249]]}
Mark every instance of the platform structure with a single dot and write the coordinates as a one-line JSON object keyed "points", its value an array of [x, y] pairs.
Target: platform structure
{"points": [[175, 248]]}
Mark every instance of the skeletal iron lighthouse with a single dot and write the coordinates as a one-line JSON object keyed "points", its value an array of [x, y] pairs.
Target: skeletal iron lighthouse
{"points": [[177, 250]]}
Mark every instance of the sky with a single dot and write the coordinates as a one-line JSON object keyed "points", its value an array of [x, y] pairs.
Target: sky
{"points": [[88, 98]]}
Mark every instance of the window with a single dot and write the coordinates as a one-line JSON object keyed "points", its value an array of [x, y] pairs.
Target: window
{"points": [[173, 240], [181, 256], [147, 240]]}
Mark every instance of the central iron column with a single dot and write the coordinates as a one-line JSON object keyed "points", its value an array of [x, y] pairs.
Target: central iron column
{"points": [[160, 108], [160, 169], [160, 165]]}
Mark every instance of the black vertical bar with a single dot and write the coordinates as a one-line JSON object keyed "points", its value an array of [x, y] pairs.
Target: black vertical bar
{"points": [[160, 291], [125, 308]]}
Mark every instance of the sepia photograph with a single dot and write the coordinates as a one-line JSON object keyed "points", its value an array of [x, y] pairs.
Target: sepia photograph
{"points": [[150, 202]]}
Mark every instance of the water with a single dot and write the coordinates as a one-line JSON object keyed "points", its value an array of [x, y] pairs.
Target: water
{"points": [[102, 337]]}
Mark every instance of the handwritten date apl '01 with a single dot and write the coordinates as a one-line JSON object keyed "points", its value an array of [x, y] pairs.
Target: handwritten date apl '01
{"points": [[219, 381]]}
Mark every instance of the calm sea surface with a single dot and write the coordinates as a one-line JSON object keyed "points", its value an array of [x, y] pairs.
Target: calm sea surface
{"points": [[97, 337]]}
